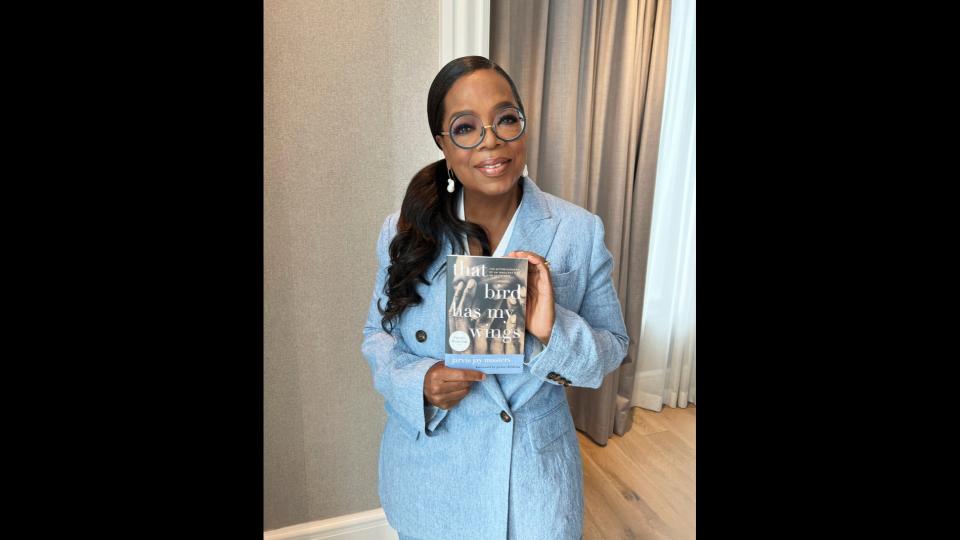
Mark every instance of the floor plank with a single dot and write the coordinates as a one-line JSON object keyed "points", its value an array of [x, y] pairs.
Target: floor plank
{"points": [[643, 485]]}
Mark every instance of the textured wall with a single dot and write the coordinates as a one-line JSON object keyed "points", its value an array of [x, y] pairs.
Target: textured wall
{"points": [[345, 91]]}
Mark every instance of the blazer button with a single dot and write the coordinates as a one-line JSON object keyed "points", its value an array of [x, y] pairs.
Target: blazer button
{"points": [[504, 416], [421, 336]]}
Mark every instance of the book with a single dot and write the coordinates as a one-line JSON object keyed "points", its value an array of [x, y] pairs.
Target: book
{"points": [[486, 313]]}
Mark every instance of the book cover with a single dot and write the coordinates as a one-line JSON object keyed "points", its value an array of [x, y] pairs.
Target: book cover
{"points": [[486, 313]]}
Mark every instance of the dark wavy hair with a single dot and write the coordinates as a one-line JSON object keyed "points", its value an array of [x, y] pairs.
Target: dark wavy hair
{"points": [[428, 212]]}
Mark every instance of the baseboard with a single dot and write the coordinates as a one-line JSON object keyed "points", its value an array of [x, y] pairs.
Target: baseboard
{"points": [[369, 525]]}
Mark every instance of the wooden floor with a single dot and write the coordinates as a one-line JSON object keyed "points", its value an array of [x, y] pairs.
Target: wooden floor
{"points": [[643, 485]]}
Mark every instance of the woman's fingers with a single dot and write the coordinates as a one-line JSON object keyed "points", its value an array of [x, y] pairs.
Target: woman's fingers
{"points": [[445, 387], [447, 401], [528, 255], [456, 374], [537, 268]]}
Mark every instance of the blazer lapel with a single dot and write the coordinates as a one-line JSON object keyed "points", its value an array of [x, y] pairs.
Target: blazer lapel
{"points": [[526, 391], [535, 226], [492, 386]]}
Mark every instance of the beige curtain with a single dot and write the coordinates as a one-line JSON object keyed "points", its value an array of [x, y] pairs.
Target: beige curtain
{"points": [[591, 75]]}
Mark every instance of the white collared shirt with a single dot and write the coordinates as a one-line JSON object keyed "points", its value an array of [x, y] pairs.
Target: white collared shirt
{"points": [[502, 246]]}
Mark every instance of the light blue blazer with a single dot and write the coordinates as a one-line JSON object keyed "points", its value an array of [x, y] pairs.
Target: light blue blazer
{"points": [[487, 469]]}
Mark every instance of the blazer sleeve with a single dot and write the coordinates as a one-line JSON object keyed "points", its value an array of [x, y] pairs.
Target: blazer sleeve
{"points": [[397, 372], [585, 346]]}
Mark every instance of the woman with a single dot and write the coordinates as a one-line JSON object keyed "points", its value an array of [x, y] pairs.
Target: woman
{"points": [[465, 455]]}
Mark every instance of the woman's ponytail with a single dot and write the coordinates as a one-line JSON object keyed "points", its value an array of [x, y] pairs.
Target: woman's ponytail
{"points": [[427, 217]]}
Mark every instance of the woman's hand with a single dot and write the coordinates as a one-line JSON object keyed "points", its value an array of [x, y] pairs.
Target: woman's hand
{"points": [[444, 387], [540, 307]]}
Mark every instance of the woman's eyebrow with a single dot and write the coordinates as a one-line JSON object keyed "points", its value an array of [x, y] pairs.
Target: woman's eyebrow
{"points": [[495, 107]]}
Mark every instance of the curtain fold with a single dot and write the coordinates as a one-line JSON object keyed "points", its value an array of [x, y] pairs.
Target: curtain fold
{"points": [[591, 75], [666, 371]]}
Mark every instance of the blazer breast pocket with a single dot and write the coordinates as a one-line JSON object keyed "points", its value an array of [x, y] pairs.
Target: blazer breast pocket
{"points": [[563, 280], [564, 288]]}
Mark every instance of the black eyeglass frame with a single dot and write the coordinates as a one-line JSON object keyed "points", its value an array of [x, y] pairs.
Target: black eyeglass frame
{"points": [[483, 128]]}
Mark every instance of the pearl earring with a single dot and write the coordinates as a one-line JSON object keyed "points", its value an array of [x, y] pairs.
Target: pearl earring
{"points": [[525, 173], [450, 186]]}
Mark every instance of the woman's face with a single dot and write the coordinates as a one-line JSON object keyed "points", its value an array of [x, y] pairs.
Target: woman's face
{"points": [[483, 92]]}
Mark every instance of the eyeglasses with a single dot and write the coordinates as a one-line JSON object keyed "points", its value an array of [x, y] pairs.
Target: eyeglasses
{"points": [[467, 130]]}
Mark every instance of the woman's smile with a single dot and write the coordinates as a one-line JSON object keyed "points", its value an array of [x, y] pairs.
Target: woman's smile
{"points": [[493, 167]]}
